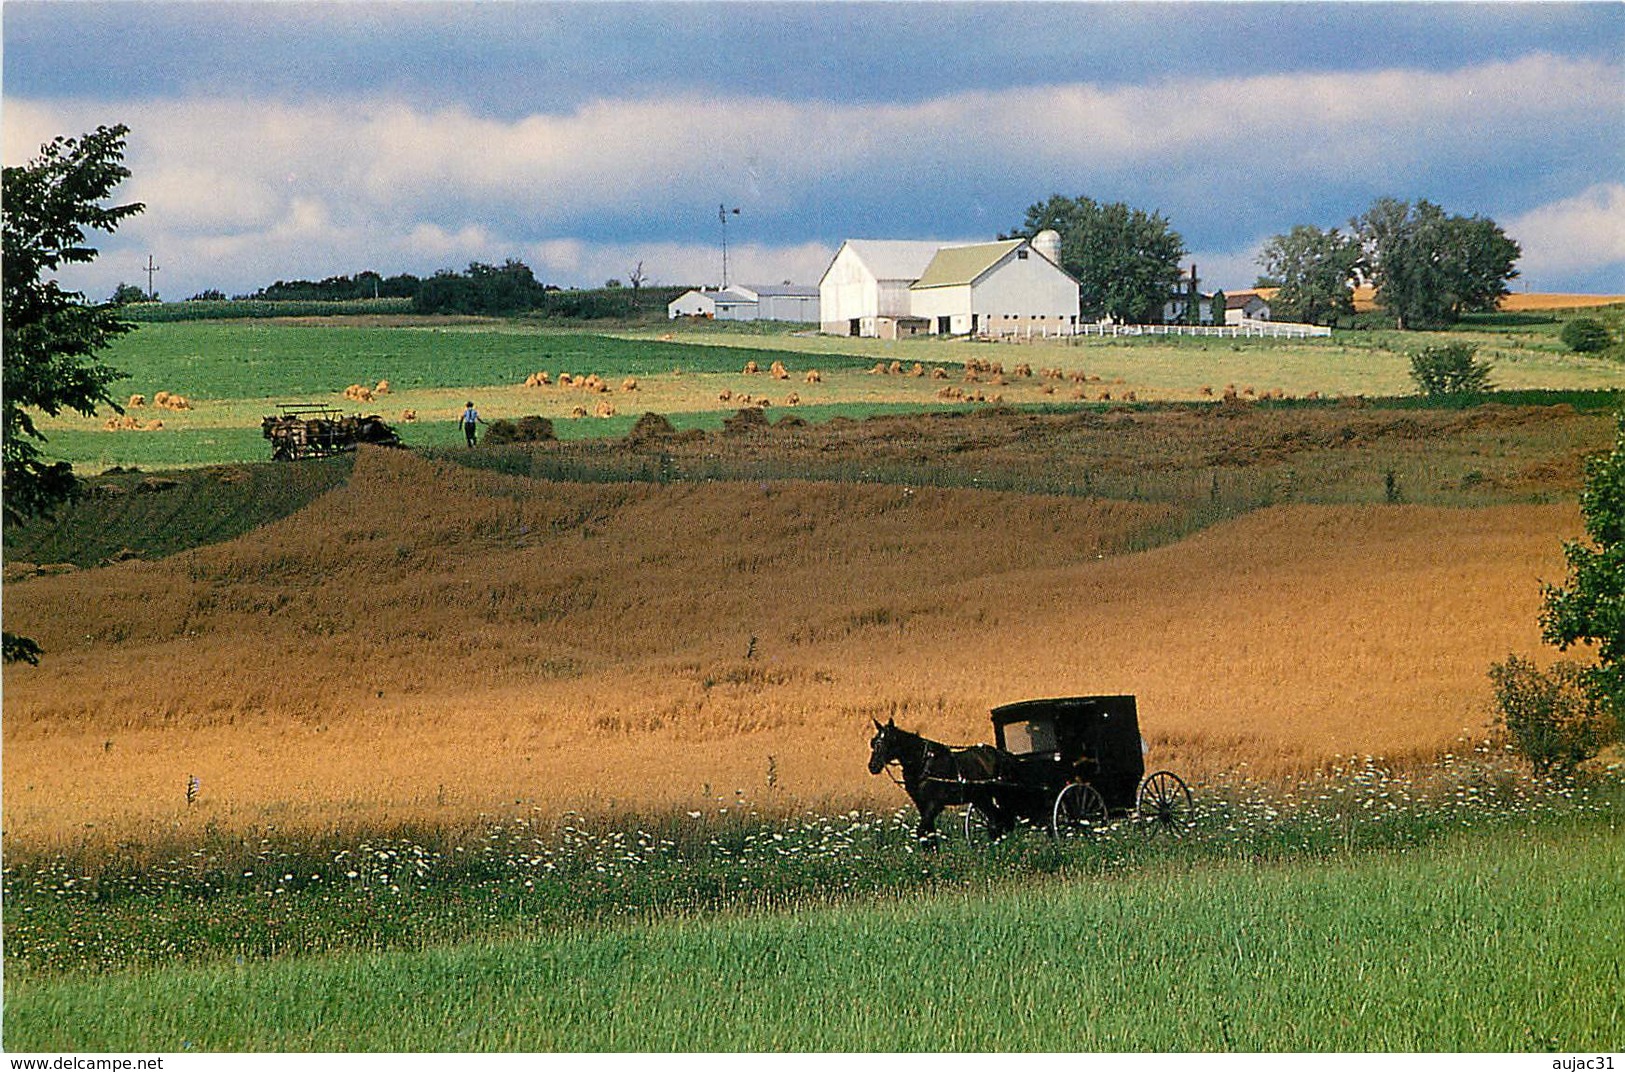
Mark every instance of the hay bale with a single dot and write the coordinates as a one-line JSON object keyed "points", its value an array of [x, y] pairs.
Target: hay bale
{"points": [[778, 371], [137, 401], [565, 379], [792, 399], [939, 373], [153, 426], [579, 411], [918, 371], [604, 409], [650, 427], [382, 388], [752, 368], [409, 415], [814, 376], [160, 398], [725, 395], [629, 384], [748, 420], [531, 429]]}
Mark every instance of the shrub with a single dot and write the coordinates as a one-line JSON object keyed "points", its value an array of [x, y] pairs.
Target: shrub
{"points": [[1553, 720], [1450, 370], [1585, 335]]}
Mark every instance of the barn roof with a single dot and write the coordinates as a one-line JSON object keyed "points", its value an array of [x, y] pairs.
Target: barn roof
{"points": [[959, 265], [786, 290], [892, 259]]}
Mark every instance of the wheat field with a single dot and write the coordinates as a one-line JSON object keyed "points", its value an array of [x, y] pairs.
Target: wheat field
{"points": [[430, 643]]}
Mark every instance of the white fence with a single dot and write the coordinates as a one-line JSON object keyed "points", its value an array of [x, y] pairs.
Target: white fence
{"points": [[1247, 329], [1261, 329]]}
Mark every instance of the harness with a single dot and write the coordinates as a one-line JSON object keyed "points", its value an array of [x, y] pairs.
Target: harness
{"points": [[928, 748]]}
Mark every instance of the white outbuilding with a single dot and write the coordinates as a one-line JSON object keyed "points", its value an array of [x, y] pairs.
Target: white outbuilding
{"points": [[1245, 305], [786, 301], [732, 303], [779, 302]]}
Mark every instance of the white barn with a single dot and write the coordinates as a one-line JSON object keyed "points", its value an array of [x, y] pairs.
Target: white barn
{"points": [[895, 289], [997, 288], [864, 291]]}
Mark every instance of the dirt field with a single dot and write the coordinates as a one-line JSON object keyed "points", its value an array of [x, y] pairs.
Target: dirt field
{"points": [[434, 643]]}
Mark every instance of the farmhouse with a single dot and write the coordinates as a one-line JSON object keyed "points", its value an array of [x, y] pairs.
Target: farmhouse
{"points": [[893, 289], [778, 302]]}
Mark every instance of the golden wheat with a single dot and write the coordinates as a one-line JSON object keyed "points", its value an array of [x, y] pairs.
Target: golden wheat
{"points": [[435, 643]]}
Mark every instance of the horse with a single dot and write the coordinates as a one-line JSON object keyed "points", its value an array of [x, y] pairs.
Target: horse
{"points": [[936, 775]]}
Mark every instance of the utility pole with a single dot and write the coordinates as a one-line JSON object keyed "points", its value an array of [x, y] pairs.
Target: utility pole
{"points": [[149, 269], [722, 217]]}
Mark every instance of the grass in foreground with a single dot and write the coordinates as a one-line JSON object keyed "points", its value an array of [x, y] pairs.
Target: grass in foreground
{"points": [[1506, 942]]}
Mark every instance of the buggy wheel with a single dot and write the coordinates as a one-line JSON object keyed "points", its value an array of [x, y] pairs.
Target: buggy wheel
{"points": [[978, 826], [1078, 807], [1165, 803]]}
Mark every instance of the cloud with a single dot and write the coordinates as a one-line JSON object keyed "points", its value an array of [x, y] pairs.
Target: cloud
{"points": [[335, 185], [1575, 236], [680, 264]]}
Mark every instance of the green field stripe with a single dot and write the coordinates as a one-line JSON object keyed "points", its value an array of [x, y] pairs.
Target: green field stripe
{"points": [[1504, 943]]}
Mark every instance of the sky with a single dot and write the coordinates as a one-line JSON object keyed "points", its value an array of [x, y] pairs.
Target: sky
{"points": [[292, 140]]}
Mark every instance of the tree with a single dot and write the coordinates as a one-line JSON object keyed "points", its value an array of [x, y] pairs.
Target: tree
{"points": [[51, 335], [127, 294], [1126, 261], [1479, 260], [1429, 268], [1590, 608], [636, 278], [1314, 273], [484, 289]]}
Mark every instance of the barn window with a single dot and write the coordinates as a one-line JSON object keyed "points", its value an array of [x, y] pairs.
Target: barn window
{"points": [[1021, 254]]}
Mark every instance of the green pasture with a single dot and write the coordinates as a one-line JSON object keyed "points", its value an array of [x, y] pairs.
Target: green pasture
{"points": [[1502, 942], [316, 360], [236, 371]]}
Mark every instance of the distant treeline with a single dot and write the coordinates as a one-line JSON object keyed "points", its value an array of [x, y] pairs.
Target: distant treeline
{"points": [[509, 289]]}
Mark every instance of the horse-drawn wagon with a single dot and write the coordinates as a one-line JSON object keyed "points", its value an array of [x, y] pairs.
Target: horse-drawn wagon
{"points": [[1066, 764], [314, 430]]}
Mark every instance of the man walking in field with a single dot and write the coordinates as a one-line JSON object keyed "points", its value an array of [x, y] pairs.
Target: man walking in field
{"points": [[471, 417]]}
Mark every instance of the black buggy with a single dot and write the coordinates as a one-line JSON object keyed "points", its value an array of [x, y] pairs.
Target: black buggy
{"points": [[1065, 764]]}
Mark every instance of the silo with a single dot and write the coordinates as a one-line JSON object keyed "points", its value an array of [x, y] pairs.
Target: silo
{"points": [[1048, 244]]}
